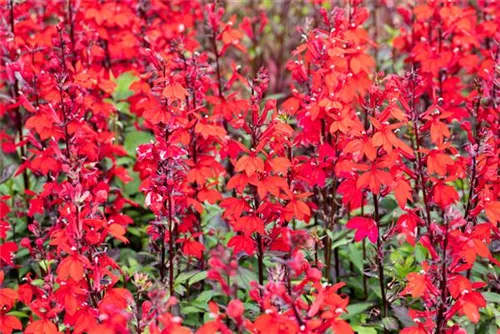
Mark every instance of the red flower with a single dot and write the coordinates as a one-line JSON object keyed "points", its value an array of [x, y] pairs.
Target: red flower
{"points": [[365, 227]]}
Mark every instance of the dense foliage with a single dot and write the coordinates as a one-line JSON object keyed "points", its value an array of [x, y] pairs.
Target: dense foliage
{"points": [[250, 167]]}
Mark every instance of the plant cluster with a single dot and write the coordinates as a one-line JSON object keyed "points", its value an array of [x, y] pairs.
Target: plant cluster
{"points": [[256, 167]]}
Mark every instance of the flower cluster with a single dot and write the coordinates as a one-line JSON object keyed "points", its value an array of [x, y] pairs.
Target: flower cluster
{"points": [[205, 166]]}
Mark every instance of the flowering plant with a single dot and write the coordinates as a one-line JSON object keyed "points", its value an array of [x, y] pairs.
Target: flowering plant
{"points": [[215, 167]]}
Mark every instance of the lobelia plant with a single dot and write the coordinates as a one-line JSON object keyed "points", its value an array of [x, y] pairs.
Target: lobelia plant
{"points": [[203, 167]]}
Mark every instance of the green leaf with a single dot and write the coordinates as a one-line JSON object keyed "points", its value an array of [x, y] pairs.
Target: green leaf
{"points": [[404, 267], [205, 296], [401, 313], [131, 188], [37, 282], [356, 257], [341, 242], [123, 107], [390, 323], [179, 289], [252, 308], [123, 83], [7, 172], [276, 96], [191, 309], [420, 253], [479, 269], [183, 277], [364, 330], [244, 278], [23, 251], [492, 297], [355, 309], [339, 238], [134, 139], [18, 314], [44, 264], [135, 231], [191, 276], [200, 276]]}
